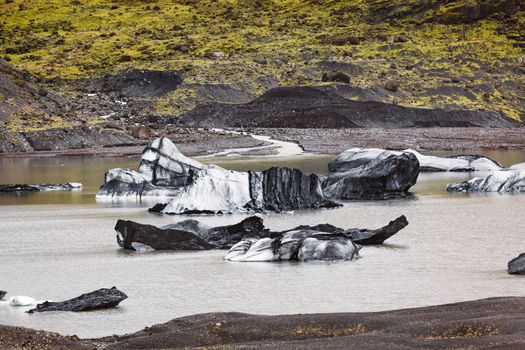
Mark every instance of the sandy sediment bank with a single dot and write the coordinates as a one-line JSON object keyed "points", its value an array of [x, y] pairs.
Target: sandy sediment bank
{"points": [[204, 142], [424, 139], [494, 323]]}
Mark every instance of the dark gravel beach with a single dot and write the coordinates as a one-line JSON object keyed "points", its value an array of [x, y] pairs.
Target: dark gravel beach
{"points": [[494, 323]]}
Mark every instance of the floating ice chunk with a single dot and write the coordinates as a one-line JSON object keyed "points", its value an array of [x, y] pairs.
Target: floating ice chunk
{"points": [[21, 300]]}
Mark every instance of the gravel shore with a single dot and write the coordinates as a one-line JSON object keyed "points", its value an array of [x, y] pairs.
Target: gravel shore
{"points": [[199, 142], [494, 323]]}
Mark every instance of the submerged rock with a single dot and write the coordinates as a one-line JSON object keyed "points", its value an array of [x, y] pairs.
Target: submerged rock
{"points": [[381, 178], [517, 265], [356, 157], [497, 181], [40, 187], [100, 299]]}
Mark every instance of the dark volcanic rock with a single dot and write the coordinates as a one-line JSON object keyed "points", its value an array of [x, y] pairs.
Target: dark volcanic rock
{"points": [[222, 93], [2, 294], [338, 77], [312, 107], [372, 237], [77, 138], [517, 265], [132, 235], [283, 189], [100, 299], [469, 12], [386, 178], [40, 187], [142, 83]]}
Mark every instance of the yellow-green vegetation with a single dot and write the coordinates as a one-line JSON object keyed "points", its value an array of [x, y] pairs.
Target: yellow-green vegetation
{"points": [[422, 44], [318, 331], [463, 331]]}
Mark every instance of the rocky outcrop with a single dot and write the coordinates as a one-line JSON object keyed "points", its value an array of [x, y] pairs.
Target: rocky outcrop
{"points": [[40, 187], [318, 107], [80, 137], [497, 181], [100, 299], [517, 265], [355, 157], [386, 178], [141, 83]]}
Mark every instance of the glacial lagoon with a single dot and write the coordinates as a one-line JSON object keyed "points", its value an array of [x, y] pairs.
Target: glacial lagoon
{"points": [[57, 245]]}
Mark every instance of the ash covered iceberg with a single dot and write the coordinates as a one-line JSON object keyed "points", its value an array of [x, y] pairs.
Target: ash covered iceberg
{"points": [[355, 157], [380, 178], [497, 181], [249, 240], [217, 190], [69, 186], [306, 243], [210, 189], [199, 188], [163, 170]]}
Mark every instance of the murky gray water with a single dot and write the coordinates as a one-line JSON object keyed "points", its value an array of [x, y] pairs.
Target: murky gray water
{"points": [[57, 245]]}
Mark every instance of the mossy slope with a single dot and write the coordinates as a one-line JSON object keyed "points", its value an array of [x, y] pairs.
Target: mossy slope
{"points": [[432, 53]]}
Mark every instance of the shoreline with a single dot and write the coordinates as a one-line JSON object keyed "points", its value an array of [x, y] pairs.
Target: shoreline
{"points": [[492, 323], [312, 141]]}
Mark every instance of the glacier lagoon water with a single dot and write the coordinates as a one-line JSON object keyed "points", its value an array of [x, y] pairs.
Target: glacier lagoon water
{"points": [[57, 245]]}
